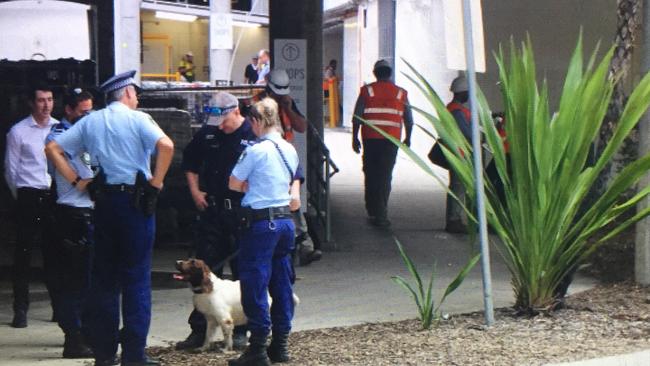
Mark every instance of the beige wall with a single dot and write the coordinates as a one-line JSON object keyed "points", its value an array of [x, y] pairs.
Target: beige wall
{"points": [[184, 36], [554, 26]]}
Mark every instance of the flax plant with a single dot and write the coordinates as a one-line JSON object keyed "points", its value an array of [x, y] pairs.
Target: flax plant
{"points": [[428, 312], [544, 222]]}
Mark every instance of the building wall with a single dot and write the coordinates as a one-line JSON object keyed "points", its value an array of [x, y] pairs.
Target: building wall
{"points": [[55, 29], [553, 26]]}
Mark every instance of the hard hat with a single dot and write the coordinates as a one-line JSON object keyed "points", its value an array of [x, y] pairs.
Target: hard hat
{"points": [[459, 85], [381, 64], [189, 53], [279, 82]]}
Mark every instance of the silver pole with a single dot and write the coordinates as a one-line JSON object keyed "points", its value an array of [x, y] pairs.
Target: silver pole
{"points": [[478, 164]]}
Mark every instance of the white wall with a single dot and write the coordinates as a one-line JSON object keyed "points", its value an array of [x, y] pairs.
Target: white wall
{"points": [[420, 40], [55, 29]]}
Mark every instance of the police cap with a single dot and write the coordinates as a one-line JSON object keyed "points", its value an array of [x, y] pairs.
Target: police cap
{"points": [[119, 81]]}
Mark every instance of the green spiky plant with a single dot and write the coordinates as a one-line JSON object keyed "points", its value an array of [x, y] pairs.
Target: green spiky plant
{"points": [[428, 312], [544, 222]]}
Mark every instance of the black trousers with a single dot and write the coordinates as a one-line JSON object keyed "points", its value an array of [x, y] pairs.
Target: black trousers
{"points": [[378, 161], [34, 227], [71, 265], [215, 242]]}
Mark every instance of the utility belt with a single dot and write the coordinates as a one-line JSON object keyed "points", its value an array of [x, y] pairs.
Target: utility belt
{"points": [[223, 204], [145, 196], [246, 215]]}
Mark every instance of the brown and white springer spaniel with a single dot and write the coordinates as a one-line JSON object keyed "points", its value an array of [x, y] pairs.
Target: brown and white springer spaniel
{"points": [[218, 300]]}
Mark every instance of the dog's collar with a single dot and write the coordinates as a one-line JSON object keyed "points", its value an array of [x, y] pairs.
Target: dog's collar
{"points": [[197, 289]]}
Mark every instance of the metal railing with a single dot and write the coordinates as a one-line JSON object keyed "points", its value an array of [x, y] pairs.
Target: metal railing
{"points": [[321, 168]]}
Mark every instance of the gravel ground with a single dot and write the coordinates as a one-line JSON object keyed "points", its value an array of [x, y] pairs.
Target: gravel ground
{"points": [[607, 320]]}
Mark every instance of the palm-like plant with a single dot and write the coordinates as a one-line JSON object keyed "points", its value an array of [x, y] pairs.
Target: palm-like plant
{"points": [[543, 221]]}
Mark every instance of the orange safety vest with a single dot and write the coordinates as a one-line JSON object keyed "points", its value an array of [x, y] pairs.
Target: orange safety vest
{"points": [[384, 104], [455, 106], [284, 117]]}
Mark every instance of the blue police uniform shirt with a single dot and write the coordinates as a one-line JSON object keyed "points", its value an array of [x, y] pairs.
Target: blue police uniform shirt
{"points": [[118, 138], [66, 193], [267, 175]]}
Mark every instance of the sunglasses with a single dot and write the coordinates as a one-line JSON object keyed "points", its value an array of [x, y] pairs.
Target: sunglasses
{"points": [[218, 111]]}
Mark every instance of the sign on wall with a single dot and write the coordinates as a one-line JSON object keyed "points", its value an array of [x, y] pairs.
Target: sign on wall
{"points": [[221, 31]]}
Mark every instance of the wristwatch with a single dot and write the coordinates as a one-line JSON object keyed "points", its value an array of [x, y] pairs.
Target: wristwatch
{"points": [[76, 180]]}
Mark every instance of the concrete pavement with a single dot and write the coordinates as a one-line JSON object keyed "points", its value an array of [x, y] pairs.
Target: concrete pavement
{"points": [[348, 286]]}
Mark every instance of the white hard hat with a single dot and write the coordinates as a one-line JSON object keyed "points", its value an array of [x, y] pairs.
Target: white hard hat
{"points": [[189, 53], [279, 82], [459, 85]]}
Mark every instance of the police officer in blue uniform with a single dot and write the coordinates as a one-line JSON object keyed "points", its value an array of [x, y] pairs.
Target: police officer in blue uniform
{"points": [[71, 244], [207, 161], [121, 140], [265, 172]]}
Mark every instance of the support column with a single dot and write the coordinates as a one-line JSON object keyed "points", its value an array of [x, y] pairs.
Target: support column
{"points": [[105, 40], [386, 14], [642, 251], [303, 20], [220, 54], [127, 36]]}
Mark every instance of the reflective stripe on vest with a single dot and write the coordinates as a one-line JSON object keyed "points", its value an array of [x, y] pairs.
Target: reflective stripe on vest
{"points": [[384, 104]]}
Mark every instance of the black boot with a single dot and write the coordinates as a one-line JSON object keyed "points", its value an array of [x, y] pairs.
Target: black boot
{"points": [[239, 337], [254, 355], [75, 347], [194, 340], [278, 349], [20, 319]]}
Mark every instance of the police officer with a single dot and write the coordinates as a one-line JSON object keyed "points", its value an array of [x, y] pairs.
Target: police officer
{"points": [[72, 240], [292, 121], [265, 173], [207, 161], [386, 106], [121, 140]]}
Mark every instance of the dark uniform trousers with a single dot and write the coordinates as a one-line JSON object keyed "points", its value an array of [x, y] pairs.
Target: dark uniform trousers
{"points": [[378, 161], [34, 225], [265, 263], [72, 251], [122, 265], [215, 242]]}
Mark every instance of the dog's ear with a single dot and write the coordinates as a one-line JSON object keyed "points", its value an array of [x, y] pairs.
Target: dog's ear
{"points": [[207, 282]]}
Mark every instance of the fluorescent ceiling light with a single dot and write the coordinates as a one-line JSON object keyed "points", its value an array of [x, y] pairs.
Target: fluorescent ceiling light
{"points": [[237, 23], [175, 16]]}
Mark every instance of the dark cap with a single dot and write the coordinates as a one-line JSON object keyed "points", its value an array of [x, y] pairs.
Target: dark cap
{"points": [[381, 64], [119, 81], [279, 82]]}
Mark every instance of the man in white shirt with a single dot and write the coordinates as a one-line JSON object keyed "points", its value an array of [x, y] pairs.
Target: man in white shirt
{"points": [[27, 177]]}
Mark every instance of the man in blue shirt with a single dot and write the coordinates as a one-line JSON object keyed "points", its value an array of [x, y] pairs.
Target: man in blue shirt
{"points": [[207, 161], [121, 140], [70, 244]]}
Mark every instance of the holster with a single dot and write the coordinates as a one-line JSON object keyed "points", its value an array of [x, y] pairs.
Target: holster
{"points": [[145, 196], [95, 187], [244, 217]]}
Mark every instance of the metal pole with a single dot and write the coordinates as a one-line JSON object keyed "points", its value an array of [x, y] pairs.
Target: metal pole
{"points": [[478, 164], [642, 247]]}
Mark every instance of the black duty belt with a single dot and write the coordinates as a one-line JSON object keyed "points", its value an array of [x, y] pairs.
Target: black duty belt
{"points": [[73, 209], [271, 213], [223, 203], [112, 188]]}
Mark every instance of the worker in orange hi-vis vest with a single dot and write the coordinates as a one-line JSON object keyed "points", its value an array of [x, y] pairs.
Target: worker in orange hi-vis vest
{"points": [[456, 220], [292, 121], [384, 105]]}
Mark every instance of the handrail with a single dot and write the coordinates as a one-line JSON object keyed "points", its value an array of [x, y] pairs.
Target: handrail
{"points": [[319, 193]]}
